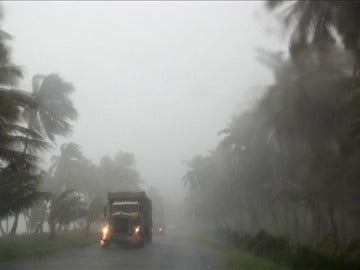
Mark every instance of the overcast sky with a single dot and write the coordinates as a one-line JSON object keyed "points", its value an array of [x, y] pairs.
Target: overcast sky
{"points": [[158, 79]]}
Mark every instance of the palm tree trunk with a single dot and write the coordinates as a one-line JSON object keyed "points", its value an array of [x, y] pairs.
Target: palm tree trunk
{"points": [[7, 225], [3, 233], [276, 222], [43, 217], [52, 231], [296, 222], [343, 225], [15, 224], [333, 223], [286, 219], [27, 221], [314, 220]]}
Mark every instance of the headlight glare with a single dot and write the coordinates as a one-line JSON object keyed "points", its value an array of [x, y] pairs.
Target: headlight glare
{"points": [[105, 230]]}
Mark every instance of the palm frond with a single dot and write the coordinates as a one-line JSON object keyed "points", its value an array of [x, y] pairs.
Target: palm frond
{"points": [[10, 74], [66, 207]]}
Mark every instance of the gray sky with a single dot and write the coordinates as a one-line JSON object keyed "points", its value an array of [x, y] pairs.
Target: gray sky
{"points": [[156, 79]]}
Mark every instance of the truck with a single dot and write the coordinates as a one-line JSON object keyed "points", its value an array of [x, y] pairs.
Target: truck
{"points": [[128, 219]]}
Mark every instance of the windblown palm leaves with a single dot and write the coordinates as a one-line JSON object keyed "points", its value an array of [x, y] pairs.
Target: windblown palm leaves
{"points": [[317, 21], [18, 144], [65, 208], [47, 111], [53, 111], [294, 154], [13, 135], [71, 169], [19, 176], [18, 189], [197, 175], [9, 73], [70, 152]]}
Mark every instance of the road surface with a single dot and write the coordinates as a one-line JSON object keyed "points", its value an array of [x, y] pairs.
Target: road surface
{"points": [[166, 252]]}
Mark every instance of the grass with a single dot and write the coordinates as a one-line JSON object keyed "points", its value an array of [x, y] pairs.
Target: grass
{"points": [[237, 259], [35, 245], [265, 251]]}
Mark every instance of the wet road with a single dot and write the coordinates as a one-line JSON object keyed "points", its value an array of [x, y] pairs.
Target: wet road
{"points": [[166, 252]]}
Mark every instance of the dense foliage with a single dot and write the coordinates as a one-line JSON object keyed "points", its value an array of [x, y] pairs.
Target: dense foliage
{"points": [[289, 165]]}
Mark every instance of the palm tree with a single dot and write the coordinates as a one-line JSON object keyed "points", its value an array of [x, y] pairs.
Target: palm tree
{"points": [[65, 208], [66, 171], [50, 111], [18, 190], [13, 136], [70, 169], [315, 22], [53, 110], [18, 187]]}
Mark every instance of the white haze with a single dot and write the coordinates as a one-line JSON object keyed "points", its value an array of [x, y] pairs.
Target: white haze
{"points": [[158, 79]]}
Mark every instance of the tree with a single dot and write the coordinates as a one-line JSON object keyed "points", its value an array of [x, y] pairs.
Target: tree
{"points": [[287, 165], [54, 111], [120, 173], [315, 21], [158, 207], [95, 210], [50, 111], [19, 188], [64, 209], [71, 169]]}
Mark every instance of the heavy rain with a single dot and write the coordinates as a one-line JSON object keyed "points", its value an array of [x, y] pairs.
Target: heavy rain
{"points": [[179, 135]]}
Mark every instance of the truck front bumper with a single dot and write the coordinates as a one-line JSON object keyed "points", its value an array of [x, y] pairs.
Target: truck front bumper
{"points": [[123, 238]]}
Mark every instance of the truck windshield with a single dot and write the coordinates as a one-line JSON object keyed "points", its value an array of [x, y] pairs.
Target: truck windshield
{"points": [[125, 208]]}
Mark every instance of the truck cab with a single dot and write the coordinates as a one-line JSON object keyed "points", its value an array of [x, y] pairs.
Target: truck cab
{"points": [[128, 219]]}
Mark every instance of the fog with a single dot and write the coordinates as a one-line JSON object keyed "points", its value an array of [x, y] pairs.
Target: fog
{"points": [[229, 131], [155, 79]]}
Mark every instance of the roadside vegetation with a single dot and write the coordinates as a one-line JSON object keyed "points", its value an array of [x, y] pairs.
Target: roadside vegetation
{"points": [[67, 195], [35, 245], [289, 165], [264, 251], [237, 258]]}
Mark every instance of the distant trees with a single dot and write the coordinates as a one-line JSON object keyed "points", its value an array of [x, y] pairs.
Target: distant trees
{"points": [[119, 173], [71, 169], [289, 165], [158, 207], [76, 182], [74, 187]]}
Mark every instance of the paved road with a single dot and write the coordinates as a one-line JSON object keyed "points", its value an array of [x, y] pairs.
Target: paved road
{"points": [[166, 252]]}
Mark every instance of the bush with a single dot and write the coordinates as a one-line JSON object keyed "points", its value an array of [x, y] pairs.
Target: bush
{"points": [[306, 258], [266, 244], [279, 250]]}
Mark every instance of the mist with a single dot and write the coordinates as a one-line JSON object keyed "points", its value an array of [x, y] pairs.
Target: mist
{"points": [[180, 135], [147, 76]]}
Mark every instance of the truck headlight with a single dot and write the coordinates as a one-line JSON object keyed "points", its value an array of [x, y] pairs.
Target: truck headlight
{"points": [[105, 231]]}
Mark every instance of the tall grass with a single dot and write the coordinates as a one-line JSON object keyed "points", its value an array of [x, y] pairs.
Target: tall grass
{"points": [[298, 257], [23, 246]]}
